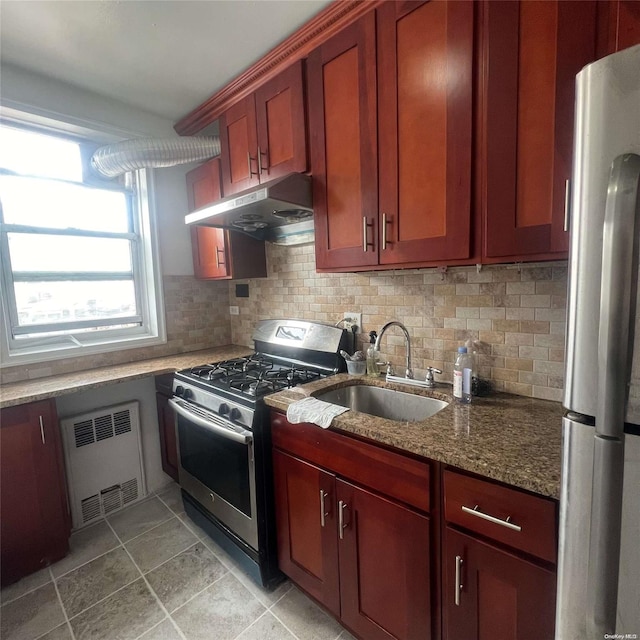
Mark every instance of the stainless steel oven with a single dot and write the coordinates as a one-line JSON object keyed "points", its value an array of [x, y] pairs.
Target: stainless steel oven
{"points": [[224, 437]]}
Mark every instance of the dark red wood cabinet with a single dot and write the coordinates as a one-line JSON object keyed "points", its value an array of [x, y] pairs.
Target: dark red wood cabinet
{"points": [[167, 426], [364, 555], [533, 49], [618, 25], [35, 522], [219, 254], [390, 114], [498, 561], [263, 136]]}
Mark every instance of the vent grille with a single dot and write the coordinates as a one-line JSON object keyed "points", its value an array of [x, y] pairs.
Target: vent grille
{"points": [[102, 427], [104, 461]]}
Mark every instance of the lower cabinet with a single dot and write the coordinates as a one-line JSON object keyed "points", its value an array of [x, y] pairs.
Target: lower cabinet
{"points": [[365, 556], [34, 514], [167, 426], [490, 593]]}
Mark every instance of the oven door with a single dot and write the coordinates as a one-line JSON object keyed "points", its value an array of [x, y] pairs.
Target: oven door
{"points": [[217, 467]]}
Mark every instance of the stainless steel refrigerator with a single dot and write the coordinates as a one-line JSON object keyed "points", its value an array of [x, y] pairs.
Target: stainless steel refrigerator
{"points": [[599, 542]]}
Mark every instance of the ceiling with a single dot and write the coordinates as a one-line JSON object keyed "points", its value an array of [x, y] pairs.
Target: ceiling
{"points": [[163, 56]]}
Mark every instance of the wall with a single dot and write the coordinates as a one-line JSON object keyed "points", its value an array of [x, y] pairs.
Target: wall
{"points": [[515, 313]]}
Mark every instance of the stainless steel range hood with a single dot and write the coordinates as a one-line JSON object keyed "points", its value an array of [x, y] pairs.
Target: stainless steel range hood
{"points": [[278, 211]]}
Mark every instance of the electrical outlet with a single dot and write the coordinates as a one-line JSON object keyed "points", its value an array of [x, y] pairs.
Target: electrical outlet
{"points": [[234, 311], [351, 318]]}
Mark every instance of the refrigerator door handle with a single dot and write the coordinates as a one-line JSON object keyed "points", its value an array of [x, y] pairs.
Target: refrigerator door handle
{"points": [[617, 304]]}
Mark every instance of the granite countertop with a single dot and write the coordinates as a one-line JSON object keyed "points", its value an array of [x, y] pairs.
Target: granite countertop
{"points": [[53, 386], [513, 439]]}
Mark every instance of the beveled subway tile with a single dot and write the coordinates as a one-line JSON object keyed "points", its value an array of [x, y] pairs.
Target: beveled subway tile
{"points": [[304, 618], [266, 628], [185, 575], [28, 583], [83, 587], [125, 615], [225, 606], [85, 545], [135, 520], [32, 615]]}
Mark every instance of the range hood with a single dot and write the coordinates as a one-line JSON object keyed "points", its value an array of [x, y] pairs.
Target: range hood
{"points": [[278, 211]]}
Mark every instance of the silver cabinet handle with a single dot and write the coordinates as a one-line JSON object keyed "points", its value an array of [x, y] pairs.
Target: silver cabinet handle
{"points": [[567, 203], [323, 512], [458, 587], [249, 159], [218, 252], [341, 525], [384, 231], [261, 153], [486, 516], [365, 241], [42, 430]]}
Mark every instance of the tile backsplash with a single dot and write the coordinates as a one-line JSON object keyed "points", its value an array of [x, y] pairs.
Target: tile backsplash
{"points": [[197, 317], [514, 314]]}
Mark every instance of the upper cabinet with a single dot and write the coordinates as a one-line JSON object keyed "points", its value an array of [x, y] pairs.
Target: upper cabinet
{"points": [[390, 114], [618, 25], [218, 253], [533, 51], [263, 136]]}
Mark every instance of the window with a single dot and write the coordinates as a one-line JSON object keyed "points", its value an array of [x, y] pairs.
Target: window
{"points": [[77, 261]]}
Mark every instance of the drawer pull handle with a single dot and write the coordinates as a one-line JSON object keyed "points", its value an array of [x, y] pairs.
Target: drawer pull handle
{"points": [[44, 441], [505, 523], [456, 595], [323, 512], [341, 524]]}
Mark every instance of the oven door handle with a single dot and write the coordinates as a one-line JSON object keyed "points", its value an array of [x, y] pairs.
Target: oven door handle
{"points": [[244, 437]]}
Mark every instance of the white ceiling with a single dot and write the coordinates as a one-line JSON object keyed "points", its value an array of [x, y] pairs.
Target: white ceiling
{"points": [[164, 56]]}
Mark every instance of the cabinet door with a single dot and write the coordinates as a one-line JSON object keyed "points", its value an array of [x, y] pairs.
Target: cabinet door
{"points": [[209, 245], [425, 77], [239, 146], [533, 51], [344, 146], [282, 136], [618, 25], [34, 519], [500, 596], [384, 567], [307, 528], [167, 427]]}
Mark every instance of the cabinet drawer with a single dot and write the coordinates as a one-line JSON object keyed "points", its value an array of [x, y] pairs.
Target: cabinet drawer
{"points": [[389, 473], [510, 516]]}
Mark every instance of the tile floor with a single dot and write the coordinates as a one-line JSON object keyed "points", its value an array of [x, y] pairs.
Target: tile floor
{"points": [[149, 573]]}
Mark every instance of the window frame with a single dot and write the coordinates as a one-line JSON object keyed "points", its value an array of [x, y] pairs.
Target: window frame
{"points": [[145, 274]]}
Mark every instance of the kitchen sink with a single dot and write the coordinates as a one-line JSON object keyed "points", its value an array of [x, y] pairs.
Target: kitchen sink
{"points": [[384, 403]]}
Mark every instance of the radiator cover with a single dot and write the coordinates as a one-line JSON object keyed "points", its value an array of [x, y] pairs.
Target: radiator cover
{"points": [[105, 471]]}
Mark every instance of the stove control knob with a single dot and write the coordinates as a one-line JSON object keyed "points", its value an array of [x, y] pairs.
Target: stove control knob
{"points": [[180, 391], [235, 415], [187, 393], [223, 409]]}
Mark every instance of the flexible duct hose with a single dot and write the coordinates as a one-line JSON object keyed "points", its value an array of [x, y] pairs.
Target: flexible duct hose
{"points": [[152, 153]]}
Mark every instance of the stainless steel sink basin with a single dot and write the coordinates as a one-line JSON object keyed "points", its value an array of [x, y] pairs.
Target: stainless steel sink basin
{"points": [[384, 403]]}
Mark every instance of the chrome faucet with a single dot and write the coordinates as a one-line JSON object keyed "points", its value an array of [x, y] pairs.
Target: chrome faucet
{"points": [[408, 372]]}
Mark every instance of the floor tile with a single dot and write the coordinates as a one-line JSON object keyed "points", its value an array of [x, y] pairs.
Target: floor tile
{"points": [[305, 619], [161, 543], [180, 578], [266, 628], [59, 633], [172, 497], [83, 587], [163, 631], [28, 583], [345, 635], [225, 606], [31, 615], [85, 545], [133, 521], [125, 615]]}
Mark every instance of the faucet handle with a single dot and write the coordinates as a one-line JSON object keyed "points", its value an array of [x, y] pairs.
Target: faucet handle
{"points": [[429, 379]]}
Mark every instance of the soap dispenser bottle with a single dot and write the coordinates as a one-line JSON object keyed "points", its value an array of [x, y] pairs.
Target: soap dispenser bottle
{"points": [[373, 355]]}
